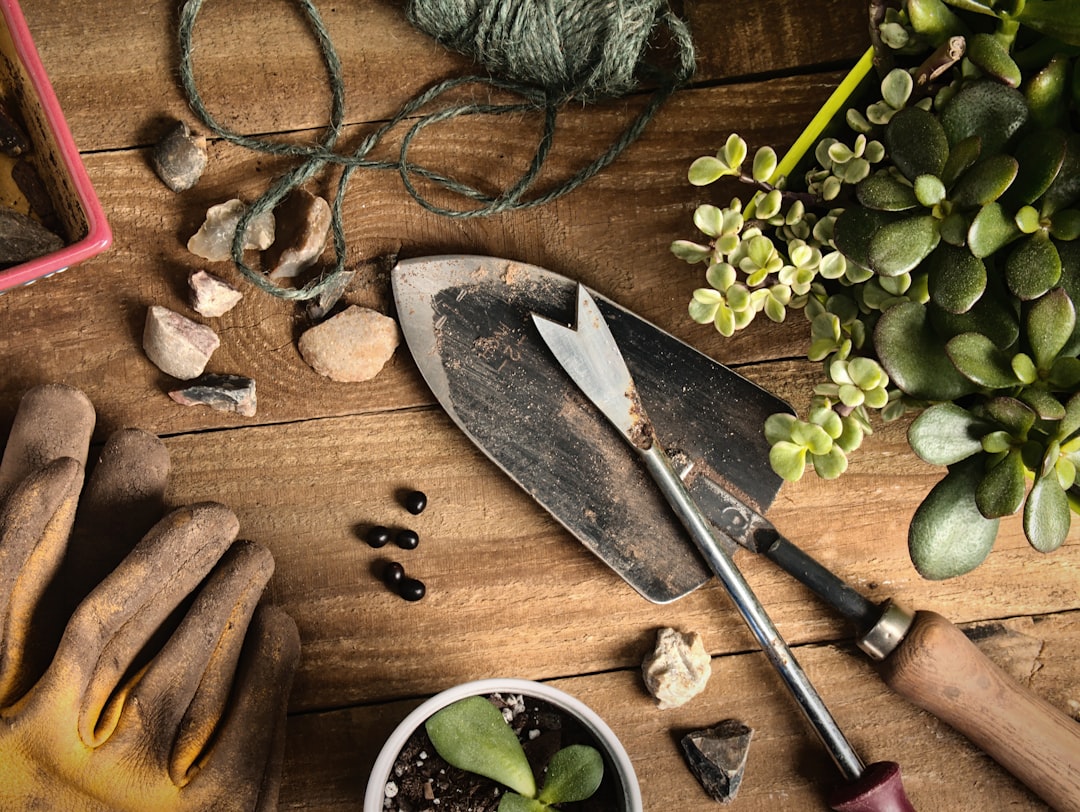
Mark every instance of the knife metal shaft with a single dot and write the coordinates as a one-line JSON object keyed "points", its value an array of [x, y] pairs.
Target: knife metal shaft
{"points": [[753, 613]]}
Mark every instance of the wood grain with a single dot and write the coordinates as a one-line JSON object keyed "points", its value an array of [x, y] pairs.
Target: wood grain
{"points": [[510, 592]]}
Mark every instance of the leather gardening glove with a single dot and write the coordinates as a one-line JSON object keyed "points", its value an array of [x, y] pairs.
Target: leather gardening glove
{"points": [[137, 670]]}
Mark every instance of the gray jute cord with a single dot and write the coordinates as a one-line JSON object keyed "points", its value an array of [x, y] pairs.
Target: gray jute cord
{"points": [[545, 52]]}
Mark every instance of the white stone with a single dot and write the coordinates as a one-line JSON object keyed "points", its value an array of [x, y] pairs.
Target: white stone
{"points": [[352, 346], [302, 226], [677, 669], [214, 238], [211, 296], [177, 345]]}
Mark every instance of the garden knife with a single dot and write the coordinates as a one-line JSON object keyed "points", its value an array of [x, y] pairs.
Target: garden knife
{"points": [[589, 354], [467, 322]]}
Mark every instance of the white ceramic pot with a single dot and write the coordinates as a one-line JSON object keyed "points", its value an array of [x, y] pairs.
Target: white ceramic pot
{"points": [[614, 753]]}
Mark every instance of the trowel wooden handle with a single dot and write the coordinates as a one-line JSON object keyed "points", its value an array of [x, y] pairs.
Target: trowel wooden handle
{"points": [[939, 669]]}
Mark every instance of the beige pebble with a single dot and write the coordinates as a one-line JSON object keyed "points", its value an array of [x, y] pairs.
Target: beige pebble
{"points": [[177, 345], [352, 346], [211, 296], [677, 669]]}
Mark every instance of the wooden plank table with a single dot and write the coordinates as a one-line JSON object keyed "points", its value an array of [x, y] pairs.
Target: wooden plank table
{"points": [[510, 593]]}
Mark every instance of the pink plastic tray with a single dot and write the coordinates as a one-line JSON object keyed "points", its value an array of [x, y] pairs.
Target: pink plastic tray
{"points": [[24, 84]]}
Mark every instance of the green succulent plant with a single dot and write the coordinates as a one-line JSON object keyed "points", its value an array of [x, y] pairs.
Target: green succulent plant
{"points": [[471, 734], [935, 252]]}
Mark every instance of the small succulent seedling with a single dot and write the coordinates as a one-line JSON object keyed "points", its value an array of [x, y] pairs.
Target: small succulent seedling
{"points": [[472, 735]]}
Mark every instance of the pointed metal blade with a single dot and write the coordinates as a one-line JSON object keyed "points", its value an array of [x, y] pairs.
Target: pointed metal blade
{"points": [[589, 354]]}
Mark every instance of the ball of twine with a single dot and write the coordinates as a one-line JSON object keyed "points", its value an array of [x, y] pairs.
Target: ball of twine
{"points": [[545, 52], [585, 49]]}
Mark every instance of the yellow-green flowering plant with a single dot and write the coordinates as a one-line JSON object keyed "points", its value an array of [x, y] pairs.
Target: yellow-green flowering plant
{"points": [[932, 245]]}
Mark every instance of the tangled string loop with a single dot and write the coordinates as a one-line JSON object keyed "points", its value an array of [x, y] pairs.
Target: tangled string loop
{"points": [[543, 52]]}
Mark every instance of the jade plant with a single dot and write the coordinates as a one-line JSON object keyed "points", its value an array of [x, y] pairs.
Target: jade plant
{"points": [[932, 244], [472, 734]]}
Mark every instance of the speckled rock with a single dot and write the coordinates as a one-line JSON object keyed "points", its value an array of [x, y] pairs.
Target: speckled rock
{"points": [[177, 345], [180, 158], [211, 296], [352, 346], [22, 238], [302, 226], [677, 669], [214, 238]]}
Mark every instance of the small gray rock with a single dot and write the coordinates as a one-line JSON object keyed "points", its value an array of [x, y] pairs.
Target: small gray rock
{"points": [[177, 345], [351, 346], [226, 393], [717, 757], [302, 226], [23, 238], [180, 158], [211, 296]]}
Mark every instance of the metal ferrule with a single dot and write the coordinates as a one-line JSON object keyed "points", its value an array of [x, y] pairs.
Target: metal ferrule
{"points": [[885, 635]]}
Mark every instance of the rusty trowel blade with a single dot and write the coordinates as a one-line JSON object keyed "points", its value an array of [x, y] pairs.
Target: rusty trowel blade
{"points": [[467, 321]]}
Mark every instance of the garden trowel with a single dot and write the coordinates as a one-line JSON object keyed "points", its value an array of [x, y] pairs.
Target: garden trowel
{"points": [[468, 323]]}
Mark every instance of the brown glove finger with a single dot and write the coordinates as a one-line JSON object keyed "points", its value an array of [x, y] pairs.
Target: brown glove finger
{"points": [[34, 526], [248, 748], [123, 498], [53, 421], [177, 703], [115, 623]]}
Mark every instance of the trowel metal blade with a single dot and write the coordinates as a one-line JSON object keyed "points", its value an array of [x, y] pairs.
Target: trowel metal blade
{"points": [[467, 321]]}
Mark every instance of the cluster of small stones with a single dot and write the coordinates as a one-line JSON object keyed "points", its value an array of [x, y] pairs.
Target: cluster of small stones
{"points": [[27, 216], [352, 346]]}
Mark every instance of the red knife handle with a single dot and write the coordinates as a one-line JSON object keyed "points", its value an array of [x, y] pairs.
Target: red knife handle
{"points": [[879, 789], [939, 669]]}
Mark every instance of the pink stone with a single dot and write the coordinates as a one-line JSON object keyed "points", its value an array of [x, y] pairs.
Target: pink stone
{"points": [[211, 296], [177, 345], [352, 346], [302, 226]]}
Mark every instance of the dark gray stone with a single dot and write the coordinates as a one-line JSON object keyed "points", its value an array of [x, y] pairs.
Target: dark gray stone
{"points": [[717, 757], [226, 393], [23, 238], [180, 158]]}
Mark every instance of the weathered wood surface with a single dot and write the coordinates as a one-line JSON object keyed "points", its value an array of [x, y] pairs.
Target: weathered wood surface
{"points": [[510, 592]]}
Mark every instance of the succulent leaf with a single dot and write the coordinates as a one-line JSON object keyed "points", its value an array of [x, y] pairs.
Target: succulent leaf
{"points": [[1033, 267], [706, 170], [991, 230], [913, 356], [985, 182], [1049, 326], [933, 20], [980, 361], [956, 278], [948, 536], [1039, 155], [917, 143], [1044, 404], [962, 157], [1012, 414], [854, 229], [885, 192], [1052, 18], [573, 774], [1046, 514], [1001, 491], [472, 734], [900, 246], [988, 109], [946, 433], [992, 57], [1065, 190]]}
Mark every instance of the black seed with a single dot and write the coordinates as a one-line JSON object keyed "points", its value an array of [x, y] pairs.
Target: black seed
{"points": [[393, 573], [415, 502], [377, 536], [407, 539], [411, 589]]}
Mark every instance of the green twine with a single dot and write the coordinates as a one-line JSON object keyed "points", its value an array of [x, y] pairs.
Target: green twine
{"points": [[545, 52]]}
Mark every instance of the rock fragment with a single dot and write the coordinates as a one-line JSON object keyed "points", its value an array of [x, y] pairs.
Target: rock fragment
{"points": [[302, 226], [177, 345], [23, 238], [351, 346], [677, 669], [225, 393], [717, 757], [214, 238], [211, 296], [180, 158]]}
